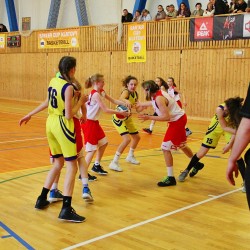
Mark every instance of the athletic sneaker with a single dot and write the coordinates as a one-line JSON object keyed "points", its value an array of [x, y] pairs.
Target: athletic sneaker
{"points": [[55, 195], [115, 166], [91, 177], [243, 187], [98, 169], [86, 194], [196, 169], [167, 181], [132, 160], [41, 203], [147, 130], [69, 214], [183, 175], [188, 132]]}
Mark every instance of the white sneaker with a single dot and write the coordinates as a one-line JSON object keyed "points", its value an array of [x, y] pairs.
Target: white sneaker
{"points": [[132, 160], [115, 166], [243, 187]]}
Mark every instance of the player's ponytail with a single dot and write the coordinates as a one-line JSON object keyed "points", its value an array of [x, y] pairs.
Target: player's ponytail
{"points": [[92, 79], [150, 87]]}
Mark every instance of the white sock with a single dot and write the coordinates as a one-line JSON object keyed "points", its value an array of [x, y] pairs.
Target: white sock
{"points": [[131, 152], [85, 182], [151, 125], [170, 171], [54, 186], [117, 156], [97, 163]]}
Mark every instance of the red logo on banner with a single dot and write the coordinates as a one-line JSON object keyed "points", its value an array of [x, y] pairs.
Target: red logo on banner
{"points": [[247, 26], [203, 28]]}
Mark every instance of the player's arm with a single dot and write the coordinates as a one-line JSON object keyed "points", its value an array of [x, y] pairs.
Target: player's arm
{"points": [[124, 98], [162, 104], [229, 145], [117, 102], [38, 109], [96, 97], [222, 121]]}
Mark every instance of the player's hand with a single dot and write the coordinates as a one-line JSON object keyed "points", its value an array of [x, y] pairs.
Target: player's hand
{"points": [[24, 120], [226, 149], [232, 170], [143, 118]]}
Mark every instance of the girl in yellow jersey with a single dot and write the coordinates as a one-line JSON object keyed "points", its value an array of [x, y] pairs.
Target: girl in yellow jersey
{"points": [[224, 122], [126, 128], [61, 135]]}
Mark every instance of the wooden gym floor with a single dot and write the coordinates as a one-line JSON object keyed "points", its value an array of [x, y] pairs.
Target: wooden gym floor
{"points": [[129, 211]]}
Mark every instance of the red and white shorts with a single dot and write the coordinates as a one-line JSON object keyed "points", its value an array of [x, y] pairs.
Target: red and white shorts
{"points": [[175, 136], [94, 135]]}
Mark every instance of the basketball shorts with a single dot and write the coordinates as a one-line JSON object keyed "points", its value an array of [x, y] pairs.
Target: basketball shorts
{"points": [[124, 127], [61, 137], [94, 135], [175, 136]]}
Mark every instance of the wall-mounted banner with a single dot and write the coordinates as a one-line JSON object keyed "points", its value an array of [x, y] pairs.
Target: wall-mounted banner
{"points": [[136, 50], [56, 39], [201, 28], [229, 27], [2, 41]]}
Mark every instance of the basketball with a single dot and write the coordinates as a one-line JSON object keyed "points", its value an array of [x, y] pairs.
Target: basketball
{"points": [[121, 108]]}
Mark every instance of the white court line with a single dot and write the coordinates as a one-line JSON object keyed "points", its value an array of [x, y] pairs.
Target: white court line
{"points": [[39, 138], [150, 220]]}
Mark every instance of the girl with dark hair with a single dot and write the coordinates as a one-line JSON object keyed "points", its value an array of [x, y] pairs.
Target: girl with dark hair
{"points": [[163, 86], [61, 135], [3, 28], [183, 11], [94, 136], [167, 110], [224, 122], [126, 128]]}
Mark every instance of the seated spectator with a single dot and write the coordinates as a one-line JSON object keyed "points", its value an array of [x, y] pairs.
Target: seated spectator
{"points": [[220, 7], [126, 17], [183, 11], [3, 28], [210, 10], [198, 10], [146, 15], [172, 13], [137, 16], [232, 6], [167, 9], [161, 14], [240, 6]]}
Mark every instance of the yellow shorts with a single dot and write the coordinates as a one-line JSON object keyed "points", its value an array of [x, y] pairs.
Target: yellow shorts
{"points": [[61, 137], [124, 127], [213, 135]]}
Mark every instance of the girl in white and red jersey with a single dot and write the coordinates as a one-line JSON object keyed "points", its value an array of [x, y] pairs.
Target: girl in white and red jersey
{"points": [[174, 92], [167, 110], [94, 136]]}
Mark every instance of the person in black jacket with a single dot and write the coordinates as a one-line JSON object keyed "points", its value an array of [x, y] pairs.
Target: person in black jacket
{"points": [[220, 7], [3, 28], [126, 17]]}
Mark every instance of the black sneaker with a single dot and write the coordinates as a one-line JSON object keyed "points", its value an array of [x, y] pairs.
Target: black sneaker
{"points": [[167, 181], [69, 214], [92, 177], [41, 203], [196, 169], [98, 169], [147, 130]]}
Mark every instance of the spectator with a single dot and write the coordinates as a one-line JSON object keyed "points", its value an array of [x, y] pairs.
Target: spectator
{"points": [[146, 15], [126, 17], [183, 11], [161, 14], [220, 7], [137, 16], [210, 10], [198, 10], [240, 6], [232, 6], [167, 9], [172, 13], [3, 28]]}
